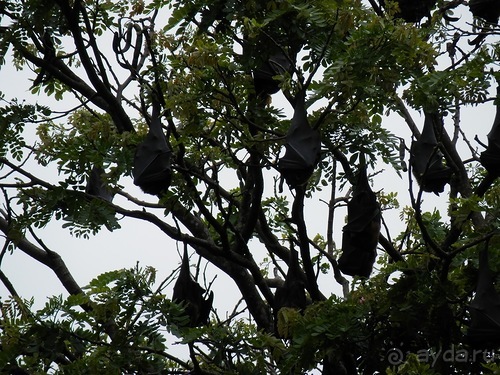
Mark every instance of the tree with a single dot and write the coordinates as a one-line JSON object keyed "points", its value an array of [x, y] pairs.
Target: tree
{"points": [[183, 99]]}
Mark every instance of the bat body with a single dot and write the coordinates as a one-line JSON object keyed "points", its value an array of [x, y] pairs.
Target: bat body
{"points": [[490, 158], [413, 10], [190, 294], [488, 10], [152, 170], [96, 187], [427, 161], [484, 330], [264, 82], [303, 146], [360, 234], [292, 293]]}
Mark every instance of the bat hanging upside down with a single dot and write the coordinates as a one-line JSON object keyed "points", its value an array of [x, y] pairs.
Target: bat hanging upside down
{"points": [[484, 329], [96, 186], [264, 83], [490, 158], [413, 10], [152, 170], [292, 293], [488, 10], [303, 146], [360, 234], [426, 159], [190, 294]]}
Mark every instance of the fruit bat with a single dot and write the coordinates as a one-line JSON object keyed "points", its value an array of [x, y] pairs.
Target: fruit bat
{"points": [[413, 10], [292, 293], [484, 329], [96, 187], [152, 170], [190, 294], [488, 10], [360, 234], [263, 80], [303, 146], [427, 161], [490, 158]]}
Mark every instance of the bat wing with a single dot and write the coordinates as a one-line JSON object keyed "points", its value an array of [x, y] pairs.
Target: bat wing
{"points": [[96, 186], [360, 234], [190, 294], [363, 208], [357, 258], [264, 82], [488, 10], [292, 293], [484, 330], [427, 161], [152, 169], [302, 148], [413, 10], [490, 158]]}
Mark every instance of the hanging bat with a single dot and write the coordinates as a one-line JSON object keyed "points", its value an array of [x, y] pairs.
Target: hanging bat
{"points": [[214, 14], [152, 170], [484, 329], [303, 146], [292, 293], [427, 161], [490, 158], [488, 10], [413, 10], [360, 234], [190, 294], [263, 80], [96, 186]]}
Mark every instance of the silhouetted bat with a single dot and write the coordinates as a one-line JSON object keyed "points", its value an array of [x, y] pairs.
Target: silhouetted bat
{"points": [[190, 294], [360, 234], [484, 329], [152, 170], [303, 146], [413, 10], [427, 161], [96, 187], [488, 10], [490, 158], [292, 293], [263, 80], [214, 15]]}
